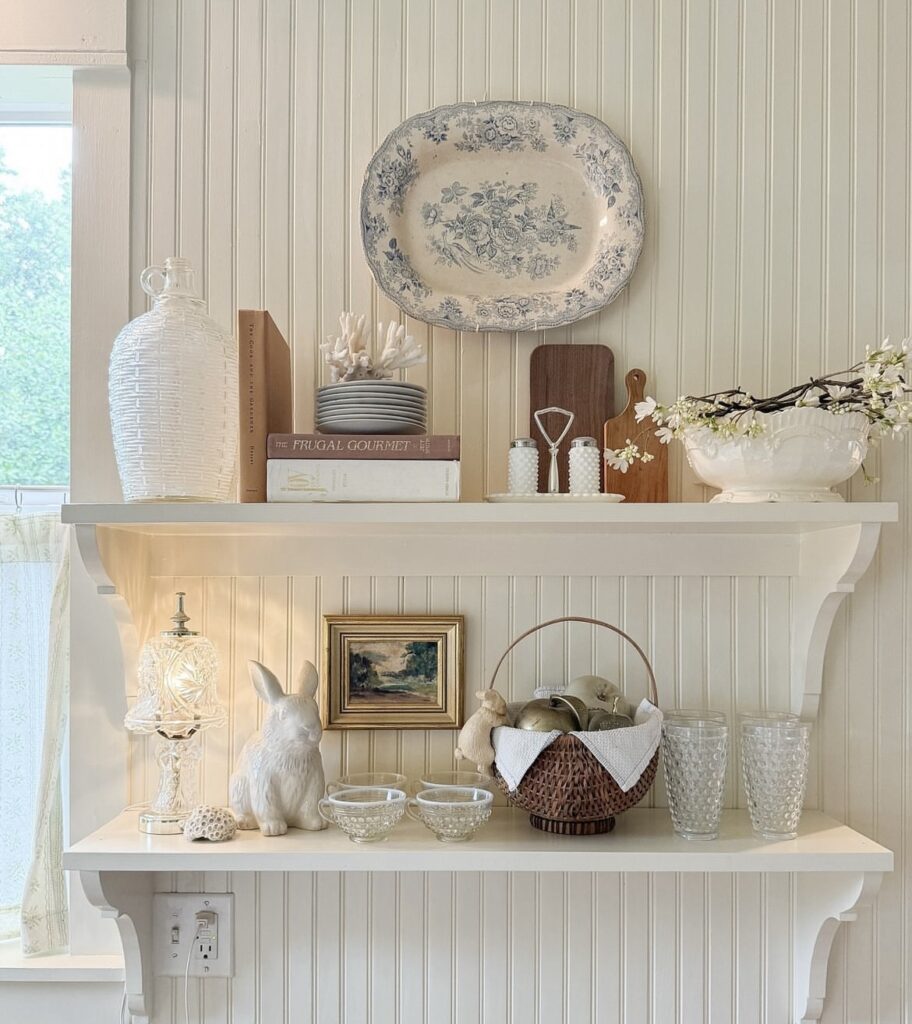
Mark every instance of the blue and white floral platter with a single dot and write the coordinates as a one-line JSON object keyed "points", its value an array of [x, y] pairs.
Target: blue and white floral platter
{"points": [[502, 216]]}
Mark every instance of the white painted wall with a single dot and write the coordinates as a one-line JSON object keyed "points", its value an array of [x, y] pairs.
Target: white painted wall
{"points": [[773, 142]]}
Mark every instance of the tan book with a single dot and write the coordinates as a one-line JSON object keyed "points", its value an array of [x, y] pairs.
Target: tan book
{"points": [[363, 446], [264, 367]]}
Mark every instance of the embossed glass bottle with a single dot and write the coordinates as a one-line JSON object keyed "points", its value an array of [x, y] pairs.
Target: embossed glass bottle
{"points": [[173, 395]]}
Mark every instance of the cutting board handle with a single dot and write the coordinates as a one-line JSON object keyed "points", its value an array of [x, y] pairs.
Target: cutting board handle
{"points": [[636, 386]]}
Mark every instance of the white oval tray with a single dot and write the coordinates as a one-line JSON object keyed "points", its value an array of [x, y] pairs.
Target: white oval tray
{"points": [[610, 498]]}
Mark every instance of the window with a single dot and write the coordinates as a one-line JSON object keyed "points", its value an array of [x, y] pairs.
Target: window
{"points": [[35, 163], [35, 159]]}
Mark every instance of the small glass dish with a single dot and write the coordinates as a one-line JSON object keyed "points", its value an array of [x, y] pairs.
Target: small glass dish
{"points": [[453, 815], [693, 714], [453, 780], [368, 780], [364, 815]]}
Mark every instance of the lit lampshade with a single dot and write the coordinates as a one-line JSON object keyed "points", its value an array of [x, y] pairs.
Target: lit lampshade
{"points": [[178, 674]]}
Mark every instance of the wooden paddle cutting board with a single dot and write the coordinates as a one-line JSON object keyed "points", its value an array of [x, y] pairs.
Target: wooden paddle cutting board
{"points": [[579, 378], [643, 481]]}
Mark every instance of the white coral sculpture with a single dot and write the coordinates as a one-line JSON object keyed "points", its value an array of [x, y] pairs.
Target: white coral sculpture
{"points": [[349, 359]]}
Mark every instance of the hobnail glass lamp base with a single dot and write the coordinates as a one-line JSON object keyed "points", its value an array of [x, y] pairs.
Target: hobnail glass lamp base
{"points": [[162, 824]]}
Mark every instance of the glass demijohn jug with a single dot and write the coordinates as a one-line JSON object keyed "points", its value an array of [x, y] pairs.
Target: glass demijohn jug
{"points": [[173, 393]]}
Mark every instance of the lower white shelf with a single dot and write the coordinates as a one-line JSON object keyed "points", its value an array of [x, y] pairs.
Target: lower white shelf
{"points": [[837, 872], [642, 841]]}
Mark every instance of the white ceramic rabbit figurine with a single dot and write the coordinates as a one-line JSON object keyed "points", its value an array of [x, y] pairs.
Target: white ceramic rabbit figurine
{"points": [[278, 780]]}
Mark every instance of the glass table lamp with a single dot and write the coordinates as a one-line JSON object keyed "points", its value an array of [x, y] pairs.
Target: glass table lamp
{"points": [[177, 699]]}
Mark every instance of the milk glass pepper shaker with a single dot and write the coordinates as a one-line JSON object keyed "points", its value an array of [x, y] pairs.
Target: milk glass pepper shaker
{"points": [[584, 466], [522, 466]]}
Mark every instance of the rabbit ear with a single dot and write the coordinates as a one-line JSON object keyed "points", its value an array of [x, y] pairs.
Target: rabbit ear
{"points": [[265, 683], [308, 680]]}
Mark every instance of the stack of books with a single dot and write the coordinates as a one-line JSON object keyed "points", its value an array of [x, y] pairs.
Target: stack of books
{"points": [[277, 465], [362, 467]]}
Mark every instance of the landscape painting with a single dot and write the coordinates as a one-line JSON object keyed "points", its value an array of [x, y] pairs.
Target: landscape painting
{"points": [[392, 672]]}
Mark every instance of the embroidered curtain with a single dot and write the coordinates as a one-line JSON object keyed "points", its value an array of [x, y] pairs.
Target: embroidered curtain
{"points": [[34, 677]]}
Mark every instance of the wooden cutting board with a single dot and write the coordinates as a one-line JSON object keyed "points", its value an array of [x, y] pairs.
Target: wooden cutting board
{"points": [[643, 481], [575, 377]]}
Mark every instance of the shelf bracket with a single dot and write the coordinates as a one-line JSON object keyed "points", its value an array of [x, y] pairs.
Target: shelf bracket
{"points": [[825, 901], [831, 562], [90, 551], [126, 896]]}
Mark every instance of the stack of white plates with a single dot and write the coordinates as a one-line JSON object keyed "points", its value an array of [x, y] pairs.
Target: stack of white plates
{"points": [[372, 407]]}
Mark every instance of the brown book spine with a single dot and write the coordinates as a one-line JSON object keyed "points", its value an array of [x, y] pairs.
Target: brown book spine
{"points": [[441, 447], [264, 369], [252, 396]]}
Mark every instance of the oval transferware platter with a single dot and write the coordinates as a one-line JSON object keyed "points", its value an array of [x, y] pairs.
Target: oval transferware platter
{"points": [[502, 216]]}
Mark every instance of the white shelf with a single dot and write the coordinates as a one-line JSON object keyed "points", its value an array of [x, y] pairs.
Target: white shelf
{"points": [[182, 518], [824, 547], [836, 871], [643, 840]]}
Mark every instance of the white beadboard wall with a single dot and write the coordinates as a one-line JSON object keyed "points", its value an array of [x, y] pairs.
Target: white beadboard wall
{"points": [[774, 145]]}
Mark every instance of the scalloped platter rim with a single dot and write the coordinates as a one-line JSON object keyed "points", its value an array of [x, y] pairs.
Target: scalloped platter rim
{"points": [[502, 216]]}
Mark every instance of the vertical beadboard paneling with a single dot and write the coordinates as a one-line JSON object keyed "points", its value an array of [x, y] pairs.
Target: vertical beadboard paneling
{"points": [[773, 141]]}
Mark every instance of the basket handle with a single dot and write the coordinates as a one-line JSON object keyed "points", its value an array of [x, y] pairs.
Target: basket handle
{"points": [[653, 691]]}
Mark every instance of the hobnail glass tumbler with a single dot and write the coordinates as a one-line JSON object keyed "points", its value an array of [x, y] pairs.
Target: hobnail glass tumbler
{"points": [[173, 394], [774, 760], [694, 756]]}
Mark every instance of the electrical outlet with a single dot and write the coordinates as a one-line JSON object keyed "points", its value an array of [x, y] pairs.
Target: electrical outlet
{"points": [[195, 924], [205, 944]]}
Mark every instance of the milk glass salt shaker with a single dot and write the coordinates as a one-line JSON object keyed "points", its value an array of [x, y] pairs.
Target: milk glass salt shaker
{"points": [[522, 466], [584, 466]]}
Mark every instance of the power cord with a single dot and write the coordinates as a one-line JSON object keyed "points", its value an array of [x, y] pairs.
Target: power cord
{"points": [[199, 925]]}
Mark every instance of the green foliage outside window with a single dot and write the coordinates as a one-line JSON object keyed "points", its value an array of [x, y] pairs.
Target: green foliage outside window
{"points": [[34, 335]]}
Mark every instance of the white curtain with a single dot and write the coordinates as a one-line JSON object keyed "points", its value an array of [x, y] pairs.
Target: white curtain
{"points": [[34, 679]]}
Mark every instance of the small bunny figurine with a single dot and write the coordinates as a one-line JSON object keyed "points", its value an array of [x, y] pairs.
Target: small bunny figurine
{"points": [[278, 781], [474, 742]]}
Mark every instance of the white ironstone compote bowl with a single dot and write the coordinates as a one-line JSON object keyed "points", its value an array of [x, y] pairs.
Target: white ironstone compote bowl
{"points": [[800, 456]]}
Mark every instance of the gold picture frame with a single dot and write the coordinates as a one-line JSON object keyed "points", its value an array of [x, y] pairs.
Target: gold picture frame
{"points": [[392, 672]]}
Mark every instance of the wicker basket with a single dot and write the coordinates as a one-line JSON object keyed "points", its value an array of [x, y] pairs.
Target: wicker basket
{"points": [[567, 790]]}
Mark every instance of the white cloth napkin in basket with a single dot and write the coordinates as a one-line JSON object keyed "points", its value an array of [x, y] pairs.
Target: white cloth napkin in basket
{"points": [[623, 753], [516, 749]]}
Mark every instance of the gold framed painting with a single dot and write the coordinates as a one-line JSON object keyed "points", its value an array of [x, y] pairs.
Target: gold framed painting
{"points": [[392, 671]]}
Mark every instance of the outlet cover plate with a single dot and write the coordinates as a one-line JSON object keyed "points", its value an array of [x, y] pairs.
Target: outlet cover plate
{"points": [[178, 910]]}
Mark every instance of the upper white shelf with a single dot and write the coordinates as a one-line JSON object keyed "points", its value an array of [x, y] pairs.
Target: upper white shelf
{"points": [[682, 517], [466, 538], [824, 547], [643, 840]]}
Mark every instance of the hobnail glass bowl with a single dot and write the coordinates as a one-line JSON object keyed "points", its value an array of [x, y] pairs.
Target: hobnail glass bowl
{"points": [[368, 780], [453, 815], [364, 815], [453, 780]]}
